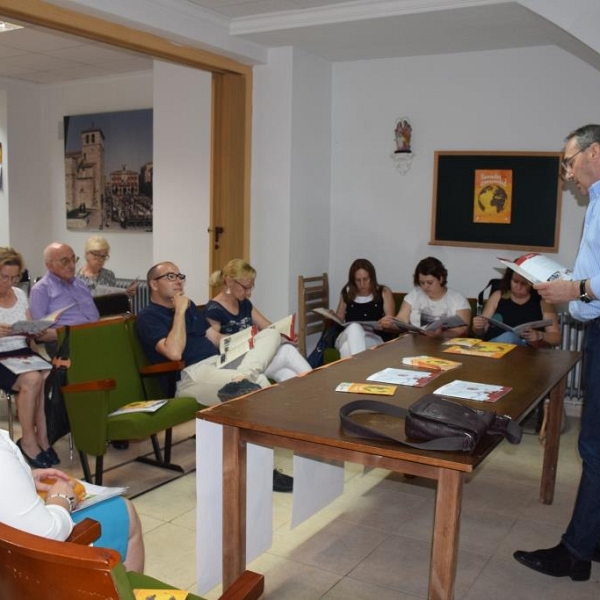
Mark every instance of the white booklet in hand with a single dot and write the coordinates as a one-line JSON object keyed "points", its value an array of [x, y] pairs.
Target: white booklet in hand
{"points": [[97, 493], [329, 314], [441, 323], [24, 364], [37, 326], [537, 268], [519, 329]]}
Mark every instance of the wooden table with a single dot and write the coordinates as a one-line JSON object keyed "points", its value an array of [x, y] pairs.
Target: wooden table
{"points": [[302, 414]]}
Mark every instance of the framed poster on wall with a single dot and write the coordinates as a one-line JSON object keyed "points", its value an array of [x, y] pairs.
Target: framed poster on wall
{"points": [[497, 200]]}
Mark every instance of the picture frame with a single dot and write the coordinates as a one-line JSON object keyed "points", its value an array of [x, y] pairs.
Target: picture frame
{"points": [[488, 199]]}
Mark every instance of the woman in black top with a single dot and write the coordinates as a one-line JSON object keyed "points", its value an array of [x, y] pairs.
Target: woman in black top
{"points": [[515, 303], [363, 299]]}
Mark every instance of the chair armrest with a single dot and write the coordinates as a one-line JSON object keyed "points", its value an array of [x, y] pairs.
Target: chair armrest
{"points": [[90, 386], [248, 586], [85, 532], [161, 368]]}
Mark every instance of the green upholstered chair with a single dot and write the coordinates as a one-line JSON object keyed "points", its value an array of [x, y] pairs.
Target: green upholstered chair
{"points": [[33, 567], [103, 377]]}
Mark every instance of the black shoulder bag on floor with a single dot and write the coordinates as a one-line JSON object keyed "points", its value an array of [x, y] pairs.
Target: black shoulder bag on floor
{"points": [[433, 423], [57, 420]]}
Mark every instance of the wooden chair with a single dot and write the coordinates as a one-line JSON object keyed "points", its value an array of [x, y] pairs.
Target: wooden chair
{"points": [[313, 292], [103, 377], [33, 567], [10, 397]]}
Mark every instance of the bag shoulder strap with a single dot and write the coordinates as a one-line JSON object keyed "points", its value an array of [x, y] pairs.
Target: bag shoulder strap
{"points": [[352, 427]]}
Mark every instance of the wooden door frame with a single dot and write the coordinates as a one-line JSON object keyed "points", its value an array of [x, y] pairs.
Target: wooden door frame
{"points": [[69, 21]]}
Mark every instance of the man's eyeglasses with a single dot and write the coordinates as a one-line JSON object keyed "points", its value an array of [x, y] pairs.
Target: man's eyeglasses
{"points": [[100, 255], [246, 287], [11, 278], [171, 277], [567, 163], [67, 260]]}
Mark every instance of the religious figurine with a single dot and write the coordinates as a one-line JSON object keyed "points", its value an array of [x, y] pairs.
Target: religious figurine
{"points": [[403, 134]]}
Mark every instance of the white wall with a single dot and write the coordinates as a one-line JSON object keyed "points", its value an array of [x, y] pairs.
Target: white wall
{"points": [[4, 213], [27, 203], [182, 155], [505, 100], [290, 175]]}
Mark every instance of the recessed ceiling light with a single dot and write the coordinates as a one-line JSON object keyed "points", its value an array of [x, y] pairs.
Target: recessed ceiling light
{"points": [[5, 26]]}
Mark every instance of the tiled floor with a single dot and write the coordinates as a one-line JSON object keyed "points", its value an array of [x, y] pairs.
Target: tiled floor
{"points": [[374, 541]]}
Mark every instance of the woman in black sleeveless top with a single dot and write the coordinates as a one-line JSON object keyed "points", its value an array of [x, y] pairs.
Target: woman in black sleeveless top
{"points": [[364, 300], [516, 302]]}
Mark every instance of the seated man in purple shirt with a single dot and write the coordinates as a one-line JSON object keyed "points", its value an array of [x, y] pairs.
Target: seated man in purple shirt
{"points": [[59, 288]]}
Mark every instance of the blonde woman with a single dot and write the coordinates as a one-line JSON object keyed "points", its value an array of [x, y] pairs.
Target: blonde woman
{"points": [[231, 311], [93, 273]]}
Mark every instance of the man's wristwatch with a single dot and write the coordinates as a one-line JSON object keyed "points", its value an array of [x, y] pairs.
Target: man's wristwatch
{"points": [[583, 295]]}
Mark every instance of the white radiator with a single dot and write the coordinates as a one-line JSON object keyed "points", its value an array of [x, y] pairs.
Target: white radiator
{"points": [[572, 339], [141, 298]]}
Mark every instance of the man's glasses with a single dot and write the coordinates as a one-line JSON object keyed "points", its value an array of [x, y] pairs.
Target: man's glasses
{"points": [[247, 288], [171, 277], [99, 255], [67, 260], [567, 163], [11, 278]]}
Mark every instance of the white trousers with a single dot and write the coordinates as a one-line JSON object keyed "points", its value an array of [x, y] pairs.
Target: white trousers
{"points": [[204, 379], [355, 339], [287, 363]]}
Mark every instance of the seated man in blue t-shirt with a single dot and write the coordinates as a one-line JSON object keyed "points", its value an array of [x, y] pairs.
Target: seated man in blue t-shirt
{"points": [[172, 328]]}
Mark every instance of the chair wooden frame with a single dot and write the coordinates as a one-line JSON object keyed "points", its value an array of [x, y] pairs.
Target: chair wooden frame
{"points": [[313, 292], [33, 567]]}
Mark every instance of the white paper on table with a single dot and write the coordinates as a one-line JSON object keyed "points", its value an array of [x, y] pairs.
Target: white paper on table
{"points": [[317, 483], [209, 503]]}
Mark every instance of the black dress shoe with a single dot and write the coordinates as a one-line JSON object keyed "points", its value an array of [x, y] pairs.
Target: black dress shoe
{"points": [[51, 456], [235, 389], [39, 462], [281, 482], [596, 554], [557, 562]]}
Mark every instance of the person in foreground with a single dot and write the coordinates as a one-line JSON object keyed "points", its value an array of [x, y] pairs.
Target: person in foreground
{"points": [[363, 299], [29, 386], [430, 300], [93, 273], [172, 328], [516, 302], [59, 288], [231, 311], [23, 508], [580, 543]]}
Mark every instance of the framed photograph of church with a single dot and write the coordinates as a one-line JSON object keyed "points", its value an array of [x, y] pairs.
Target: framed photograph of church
{"points": [[506, 200], [108, 171]]}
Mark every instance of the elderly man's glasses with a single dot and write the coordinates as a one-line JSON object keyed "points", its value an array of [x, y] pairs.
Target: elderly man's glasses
{"points": [[247, 288], [567, 163], [171, 277], [67, 260], [100, 255], [11, 278]]}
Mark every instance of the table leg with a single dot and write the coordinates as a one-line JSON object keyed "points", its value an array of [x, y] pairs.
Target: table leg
{"points": [[552, 444], [446, 526], [234, 505]]}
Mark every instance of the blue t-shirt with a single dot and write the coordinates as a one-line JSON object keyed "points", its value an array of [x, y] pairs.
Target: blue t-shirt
{"points": [[230, 323], [154, 322]]}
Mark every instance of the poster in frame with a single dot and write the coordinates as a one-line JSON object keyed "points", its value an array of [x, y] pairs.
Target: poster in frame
{"points": [[488, 199], [109, 171]]}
